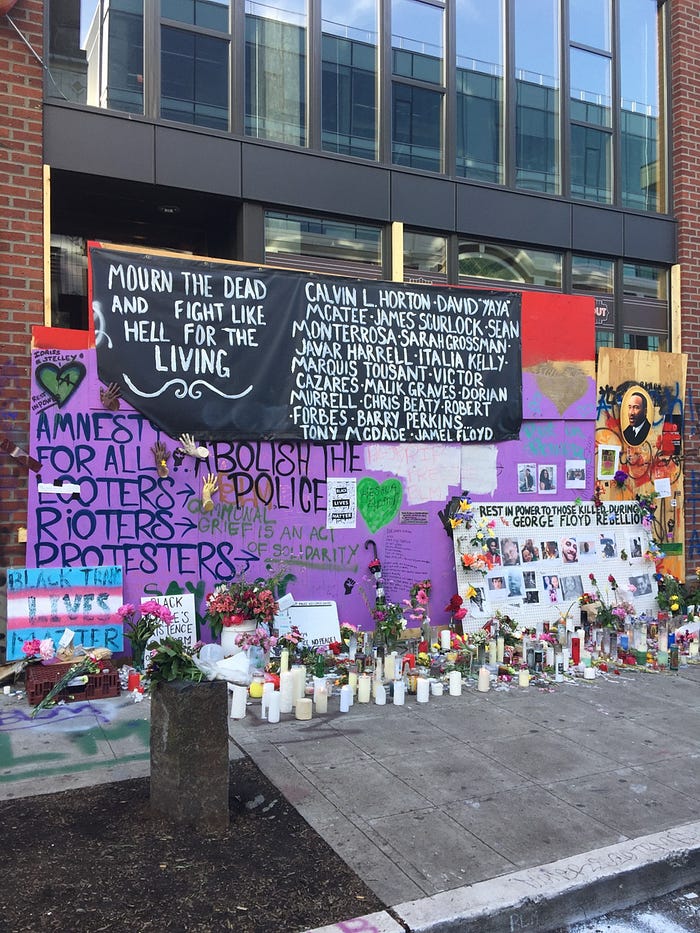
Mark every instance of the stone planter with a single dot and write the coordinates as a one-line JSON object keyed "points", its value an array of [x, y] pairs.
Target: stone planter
{"points": [[189, 754]]}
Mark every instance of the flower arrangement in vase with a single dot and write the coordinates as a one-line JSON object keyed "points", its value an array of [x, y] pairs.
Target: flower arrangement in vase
{"points": [[232, 604]]}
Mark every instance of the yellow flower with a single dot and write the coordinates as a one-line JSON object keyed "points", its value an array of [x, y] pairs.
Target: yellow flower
{"points": [[465, 506], [480, 534], [455, 522], [471, 592]]}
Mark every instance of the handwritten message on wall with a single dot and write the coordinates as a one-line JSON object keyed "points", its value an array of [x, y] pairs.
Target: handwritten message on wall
{"points": [[235, 352]]}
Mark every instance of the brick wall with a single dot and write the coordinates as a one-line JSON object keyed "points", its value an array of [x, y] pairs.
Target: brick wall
{"points": [[21, 247], [685, 155]]}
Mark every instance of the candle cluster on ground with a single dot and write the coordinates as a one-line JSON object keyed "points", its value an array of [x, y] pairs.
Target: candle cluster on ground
{"points": [[519, 660]]}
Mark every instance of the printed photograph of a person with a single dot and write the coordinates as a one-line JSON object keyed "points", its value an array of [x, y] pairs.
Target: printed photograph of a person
{"points": [[547, 479], [510, 552], [492, 556], [634, 416], [526, 477]]}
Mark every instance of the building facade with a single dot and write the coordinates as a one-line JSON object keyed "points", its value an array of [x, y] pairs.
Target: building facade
{"points": [[529, 144]]}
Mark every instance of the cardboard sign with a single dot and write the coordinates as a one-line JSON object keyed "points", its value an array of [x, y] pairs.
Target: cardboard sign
{"points": [[184, 624], [316, 620], [43, 602]]}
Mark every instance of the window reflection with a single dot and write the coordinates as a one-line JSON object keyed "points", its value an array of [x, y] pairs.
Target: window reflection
{"points": [[275, 67], [589, 23], [639, 83], [537, 94], [349, 78], [210, 14], [324, 244], [501, 262], [479, 79], [424, 257], [194, 78]]}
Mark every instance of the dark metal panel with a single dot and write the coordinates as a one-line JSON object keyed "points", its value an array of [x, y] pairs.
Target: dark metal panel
{"points": [[494, 213], [650, 238], [596, 230], [188, 159], [313, 182], [423, 201], [98, 143]]}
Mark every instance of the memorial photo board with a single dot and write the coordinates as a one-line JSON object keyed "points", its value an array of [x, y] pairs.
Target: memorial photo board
{"points": [[540, 557]]}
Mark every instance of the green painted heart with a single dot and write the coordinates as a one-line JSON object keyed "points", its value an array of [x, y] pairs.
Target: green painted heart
{"points": [[60, 381], [377, 502]]}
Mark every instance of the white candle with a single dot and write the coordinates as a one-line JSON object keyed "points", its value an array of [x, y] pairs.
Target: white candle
{"points": [[455, 683], [303, 709], [422, 690], [589, 673], [352, 681], [390, 666], [436, 688], [500, 649], [566, 657], [378, 670], [380, 695], [399, 693], [493, 652], [239, 695], [345, 698], [268, 689], [524, 678], [693, 649], [287, 687], [445, 639], [321, 701], [484, 683], [284, 660], [299, 674], [364, 688], [273, 709], [549, 657]]}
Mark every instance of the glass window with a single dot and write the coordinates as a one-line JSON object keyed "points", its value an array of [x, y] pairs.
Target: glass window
{"points": [[210, 14], [590, 90], [275, 70], [591, 175], [645, 281], [640, 92], [537, 95], [96, 53], [604, 338], [589, 23], [349, 78], [654, 342], [479, 116], [417, 127], [417, 40], [324, 244], [595, 276], [504, 263], [194, 78], [424, 257]]}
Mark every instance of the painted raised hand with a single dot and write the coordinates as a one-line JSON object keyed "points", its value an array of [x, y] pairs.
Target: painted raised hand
{"points": [[110, 396], [209, 488], [190, 447], [161, 456]]}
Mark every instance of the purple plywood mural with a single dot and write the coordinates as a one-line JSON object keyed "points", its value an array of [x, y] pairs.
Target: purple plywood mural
{"points": [[180, 513]]}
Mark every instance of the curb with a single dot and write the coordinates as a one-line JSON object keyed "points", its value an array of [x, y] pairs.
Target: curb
{"points": [[551, 896]]}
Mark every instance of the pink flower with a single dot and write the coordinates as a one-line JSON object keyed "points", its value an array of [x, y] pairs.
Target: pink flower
{"points": [[126, 610], [31, 647], [46, 649], [459, 615], [422, 597]]}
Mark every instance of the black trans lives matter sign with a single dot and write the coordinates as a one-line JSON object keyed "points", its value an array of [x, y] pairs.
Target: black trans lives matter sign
{"points": [[232, 352]]}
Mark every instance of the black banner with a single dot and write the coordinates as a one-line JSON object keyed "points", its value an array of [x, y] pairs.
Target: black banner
{"points": [[224, 352]]}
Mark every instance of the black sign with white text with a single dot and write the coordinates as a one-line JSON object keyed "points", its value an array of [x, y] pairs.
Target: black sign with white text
{"points": [[231, 351]]}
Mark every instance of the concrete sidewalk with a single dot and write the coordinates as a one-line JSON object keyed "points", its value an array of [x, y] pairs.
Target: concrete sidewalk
{"points": [[514, 809]]}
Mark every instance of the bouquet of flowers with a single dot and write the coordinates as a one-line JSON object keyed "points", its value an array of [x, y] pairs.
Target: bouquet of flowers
{"points": [[610, 613], [671, 594], [169, 660], [234, 603], [389, 621], [417, 602], [35, 649], [260, 638], [140, 631]]}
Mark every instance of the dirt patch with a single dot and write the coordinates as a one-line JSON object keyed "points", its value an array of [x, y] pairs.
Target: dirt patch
{"points": [[96, 859]]}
